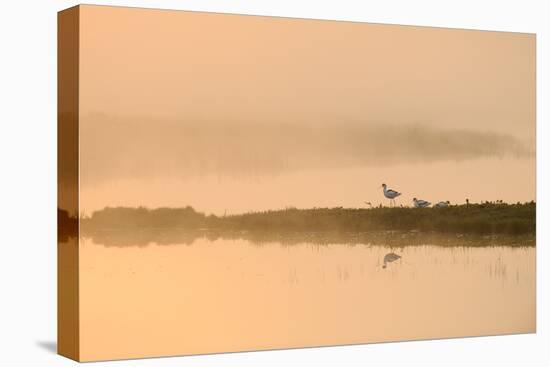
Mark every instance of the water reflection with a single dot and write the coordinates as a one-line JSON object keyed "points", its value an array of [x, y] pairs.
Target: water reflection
{"points": [[394, 239], [214, 294], [389, 258]]}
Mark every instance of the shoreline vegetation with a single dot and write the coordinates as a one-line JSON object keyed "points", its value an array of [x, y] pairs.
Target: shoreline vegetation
{"points": [[489, 218], [467, 223], [489, 224]]}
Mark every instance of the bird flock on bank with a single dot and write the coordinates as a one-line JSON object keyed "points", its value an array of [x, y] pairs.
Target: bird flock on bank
{"points": [[418, 203]]}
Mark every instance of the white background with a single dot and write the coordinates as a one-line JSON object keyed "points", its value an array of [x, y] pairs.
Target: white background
{"points": [[28, 183]]}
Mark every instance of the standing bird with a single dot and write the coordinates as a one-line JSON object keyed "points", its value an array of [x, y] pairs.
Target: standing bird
{"points": [[419, 203], [442, 204], [391, 257], [390, 194]]}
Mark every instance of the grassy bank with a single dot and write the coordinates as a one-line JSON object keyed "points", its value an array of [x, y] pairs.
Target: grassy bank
{"points": [[510, 219]]}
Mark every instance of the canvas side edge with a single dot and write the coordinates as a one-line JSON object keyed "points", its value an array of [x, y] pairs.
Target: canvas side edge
{"points": [[68, 339]]}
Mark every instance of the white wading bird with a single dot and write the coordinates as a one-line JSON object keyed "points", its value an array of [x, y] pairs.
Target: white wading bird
{"points": [[442, 204], [390, 194], [391, 257], [419, 203]]}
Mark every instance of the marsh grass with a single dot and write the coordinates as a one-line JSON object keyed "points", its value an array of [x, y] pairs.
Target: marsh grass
{"points": [[480, 219]]}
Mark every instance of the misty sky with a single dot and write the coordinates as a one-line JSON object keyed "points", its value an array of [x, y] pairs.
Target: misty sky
{"points": [[235, 113]]}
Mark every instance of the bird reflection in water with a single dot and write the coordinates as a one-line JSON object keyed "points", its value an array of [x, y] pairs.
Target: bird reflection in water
{"points": [[390, 257]]}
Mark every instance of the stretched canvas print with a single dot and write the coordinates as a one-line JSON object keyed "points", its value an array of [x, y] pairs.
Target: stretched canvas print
{"points": [[233, 183]]}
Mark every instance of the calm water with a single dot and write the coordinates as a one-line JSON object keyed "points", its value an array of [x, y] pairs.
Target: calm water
{"points": [[228, 295]]}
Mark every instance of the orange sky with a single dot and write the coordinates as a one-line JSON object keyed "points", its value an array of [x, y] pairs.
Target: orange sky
{"points": [[442, 92]]}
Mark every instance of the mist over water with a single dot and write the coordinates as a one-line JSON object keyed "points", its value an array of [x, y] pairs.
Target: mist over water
{"points": [[147, 148], [235, 167]]}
